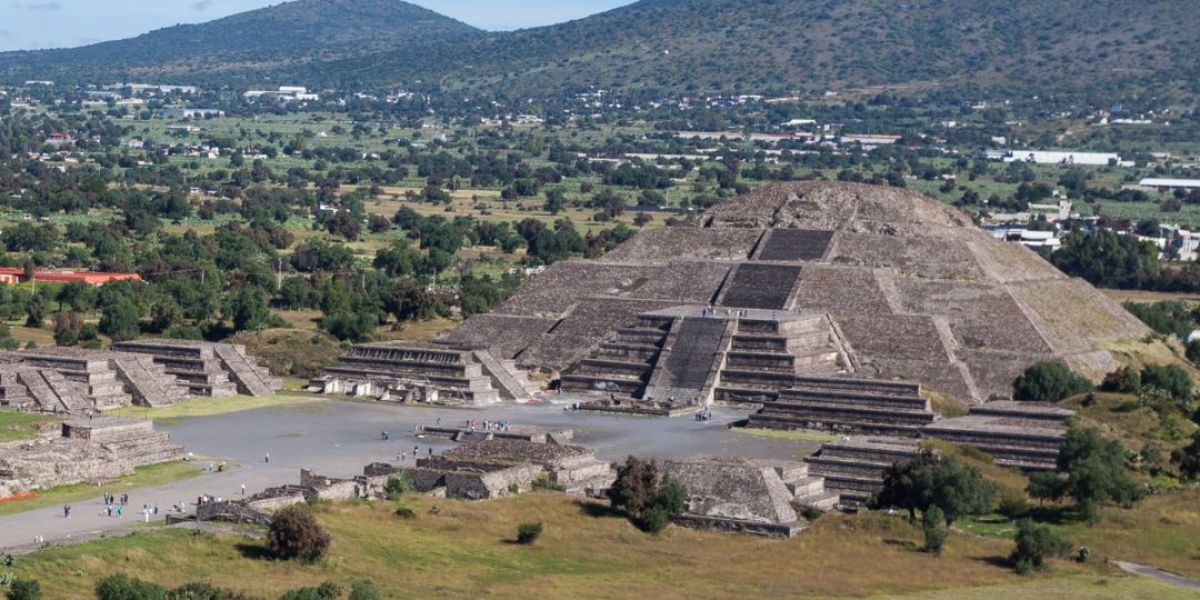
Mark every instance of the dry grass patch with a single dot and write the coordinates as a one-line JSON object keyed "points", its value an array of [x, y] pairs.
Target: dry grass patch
{"points": [[466, 550]]}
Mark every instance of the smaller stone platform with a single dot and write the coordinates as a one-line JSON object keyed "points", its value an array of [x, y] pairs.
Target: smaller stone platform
{"points": [[1024, 435]]}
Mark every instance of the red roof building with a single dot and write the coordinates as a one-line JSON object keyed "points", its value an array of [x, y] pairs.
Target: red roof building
{"points": [[11, 275]]}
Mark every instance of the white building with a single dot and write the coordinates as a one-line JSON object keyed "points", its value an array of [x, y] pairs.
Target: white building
{"points": [[1061, 157], [1171, 184]]}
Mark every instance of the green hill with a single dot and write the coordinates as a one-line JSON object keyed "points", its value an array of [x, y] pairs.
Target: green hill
{"points": [[1043, 47], [270, 39]]}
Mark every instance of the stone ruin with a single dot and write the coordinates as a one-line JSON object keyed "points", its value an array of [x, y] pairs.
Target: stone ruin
{"points": [[83, 450], [207, 368], [763, 497], [413, 373], [1019, 435], [765, 299], [151, 373], [473, 471]]}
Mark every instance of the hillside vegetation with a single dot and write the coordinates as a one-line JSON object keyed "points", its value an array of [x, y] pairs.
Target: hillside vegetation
{"points": [[1057, 46], [261, 40]]}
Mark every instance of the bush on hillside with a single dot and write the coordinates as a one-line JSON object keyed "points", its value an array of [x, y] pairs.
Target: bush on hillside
{"points": [[124, 587], [649, 498], [1171, 379], [933, 526], [24, 589], [1125, 380], [1035, 543], [528, 533], [294, 533], [1049, 382]]}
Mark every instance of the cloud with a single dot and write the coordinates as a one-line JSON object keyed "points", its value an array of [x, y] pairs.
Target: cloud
{"points": [[5, 34], [51, 5], [202, 5]]}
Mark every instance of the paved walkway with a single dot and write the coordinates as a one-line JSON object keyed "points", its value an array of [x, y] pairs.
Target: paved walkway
{"points": [[339, 438], [1159, 574]]}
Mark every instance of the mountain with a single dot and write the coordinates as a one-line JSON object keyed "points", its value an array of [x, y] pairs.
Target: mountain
{"points": [[757, 45], [1048, 46], [269, 39]]}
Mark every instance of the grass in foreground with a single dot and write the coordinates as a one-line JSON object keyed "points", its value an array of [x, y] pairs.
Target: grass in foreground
{"points": [[19, 426], [148, 476], [796, 435], [467, 551], [206, 407]]}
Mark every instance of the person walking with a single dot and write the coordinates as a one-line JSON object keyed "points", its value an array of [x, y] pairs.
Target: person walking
{"points": [[267, 458], [243, 489]]}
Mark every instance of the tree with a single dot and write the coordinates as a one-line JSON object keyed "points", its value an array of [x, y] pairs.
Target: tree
{"points": [[68, 328], [1188, 458], [120, 320], [1035, 543], [1049, 382], [932, 480], [935, 534], [555, 201], [24, 589], [1169, 378], [650, 498], [364, 590], [1046, 485], [250, 311], [1125, 380], [1095, 471], [294, 533], [124, 587]]}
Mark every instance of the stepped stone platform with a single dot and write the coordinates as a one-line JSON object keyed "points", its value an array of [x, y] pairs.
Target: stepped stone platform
{"points": [[1024, 435], [206, 368], [29, 388], [84, 450], [752, 496], [845, 405], [906, 287], [405, 372], [574, 469], [853, 467], [106, 379], [466, 433]]}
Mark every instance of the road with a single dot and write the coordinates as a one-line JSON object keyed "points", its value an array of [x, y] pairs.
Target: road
{"points": [[1159, 574], [338, 438]]}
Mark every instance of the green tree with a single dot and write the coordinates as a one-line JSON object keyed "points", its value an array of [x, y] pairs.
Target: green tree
{"points": [[1049, 382], [24, 589], [1169, 378], [249, 310], [1035, 543], [1188, 458], [124, 587], [932, 525], [1095, 471], [650, 498], [932, 480], [364, 590], [120, 320]]}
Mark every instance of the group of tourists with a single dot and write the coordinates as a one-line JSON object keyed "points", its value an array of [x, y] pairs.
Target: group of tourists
{"points": [[473, 424]]}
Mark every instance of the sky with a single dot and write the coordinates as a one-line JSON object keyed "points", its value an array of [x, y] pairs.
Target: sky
{"points": [[37, 24]]}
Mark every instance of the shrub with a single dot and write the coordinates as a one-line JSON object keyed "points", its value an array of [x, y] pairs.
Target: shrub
{"points": [[812, 513], [405, 512], [1013, 505], [123, 587], [328, 590], [654, 520], [1188, 458], [24, 589], [1171, 379], [1035, 543], [932, 524], [1125, 380], [528, 533], [295, 534], [364, 590], [1049, 382], [203, 591], [398, 485]]}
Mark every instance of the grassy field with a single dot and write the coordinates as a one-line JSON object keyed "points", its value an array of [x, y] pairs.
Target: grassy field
{"points": [[143, 477], [204, 407], [20, 426], [466, 551]]}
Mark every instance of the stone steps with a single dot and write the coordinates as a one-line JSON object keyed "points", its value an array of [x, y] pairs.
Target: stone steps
{"points": [[916, 403], [503, 379], [248, 376], [790, 421]]}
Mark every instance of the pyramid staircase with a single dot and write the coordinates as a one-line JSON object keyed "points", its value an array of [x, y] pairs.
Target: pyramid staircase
{"points": [[251, 378], [766, 356], [622, 365]]}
